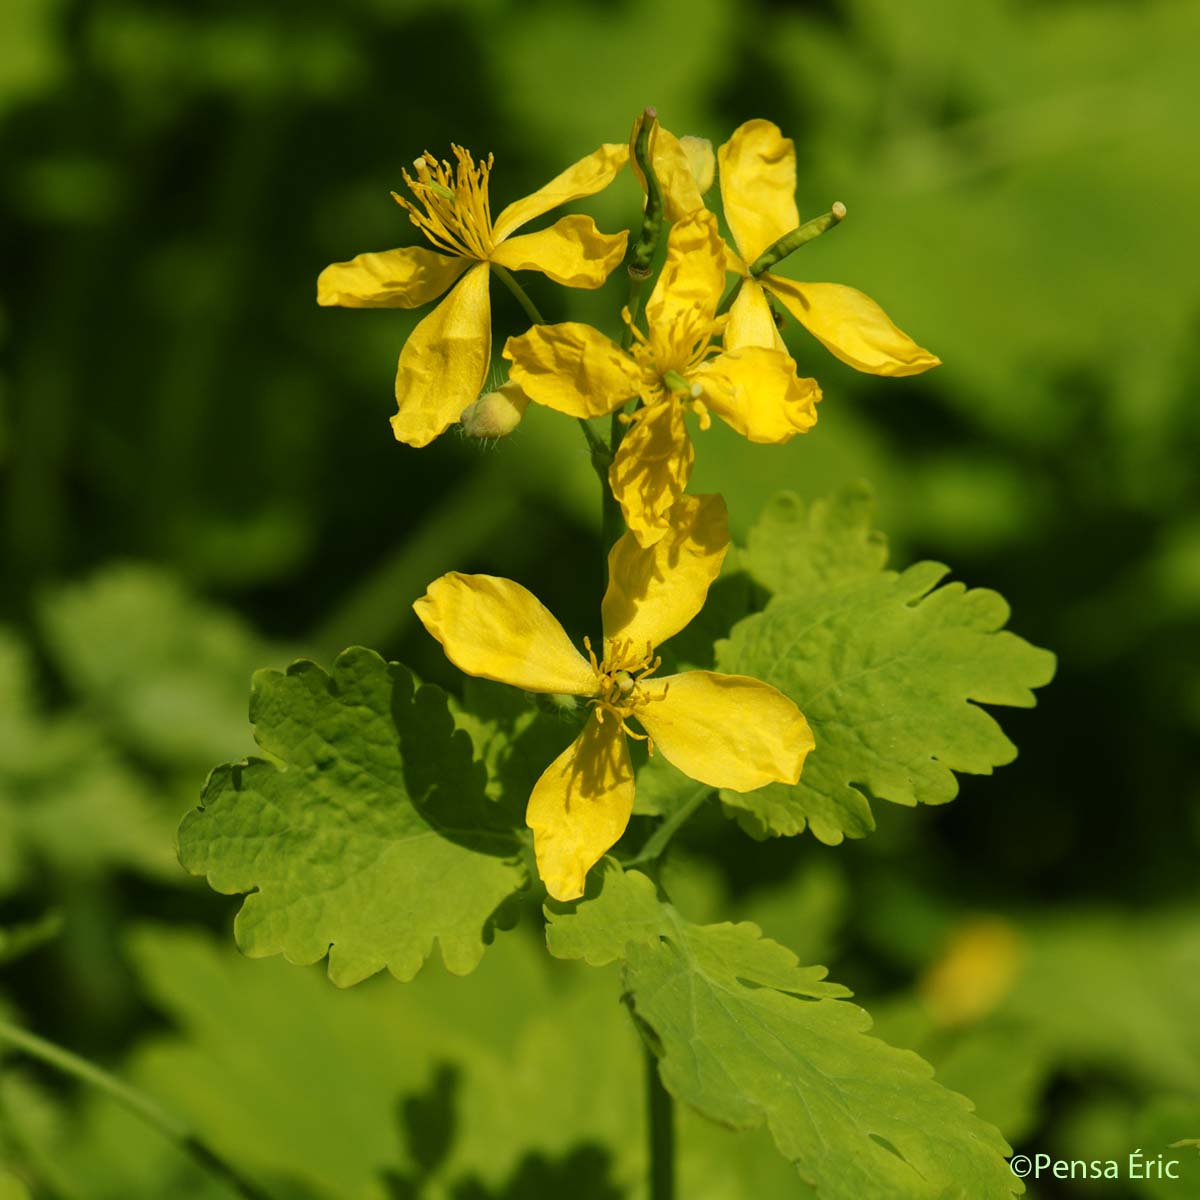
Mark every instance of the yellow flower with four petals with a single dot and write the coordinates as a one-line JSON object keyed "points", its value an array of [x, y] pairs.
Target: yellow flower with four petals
{"points": [[757, 172], [727, 731], [446, 359], [678, 367]]}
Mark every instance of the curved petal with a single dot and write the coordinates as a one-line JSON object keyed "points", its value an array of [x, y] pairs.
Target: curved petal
{"points": [[497, 629], [573, 369], [589, 175], [404, 278], [688, 291], [728, 731], [751, 322], [758, 392], [758, 186], [445, 361], [676, 177], [580, 807], [572, 252], [852, 327], [653, 593], [652, 467]]}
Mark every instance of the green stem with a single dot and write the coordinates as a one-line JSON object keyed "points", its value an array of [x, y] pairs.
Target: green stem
{"points": [[660, 1112], [658, 841], [598, 449], [506, 277], [143, 1106]]}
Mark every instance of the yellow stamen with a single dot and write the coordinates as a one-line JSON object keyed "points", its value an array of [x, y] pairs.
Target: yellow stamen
{"points": [[454, 212]]}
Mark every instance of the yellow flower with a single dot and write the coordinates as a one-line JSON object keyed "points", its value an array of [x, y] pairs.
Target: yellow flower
{"points": [[758, 190], [444, 363], [684, 167], [677, 368], [727, 731]]}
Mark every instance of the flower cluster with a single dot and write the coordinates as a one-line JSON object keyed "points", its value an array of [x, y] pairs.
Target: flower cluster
{"points": [[704, 349]]}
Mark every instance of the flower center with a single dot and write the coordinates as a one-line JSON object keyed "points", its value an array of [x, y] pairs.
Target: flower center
{"points": [[451, 207], [621, 690], [668, 357]]}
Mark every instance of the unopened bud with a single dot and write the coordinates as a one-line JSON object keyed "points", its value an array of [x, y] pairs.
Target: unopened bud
{"points": [[495, 414], [701, 159]]}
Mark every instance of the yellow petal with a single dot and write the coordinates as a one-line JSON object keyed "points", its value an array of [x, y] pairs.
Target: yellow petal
{"points": [[701, 160], [580, 807], [852, 327], [758, 392], [573, 369], [758, 186], [496, 629], [445, 361], [688, 290], [653, 593], [404, 278], [589, 175], [572, 252], [651, 469], [727, 730], [750, 320], [676, 178]]}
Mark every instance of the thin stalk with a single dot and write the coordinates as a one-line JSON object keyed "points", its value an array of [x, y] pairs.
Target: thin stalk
{"points": [[598, 449], [522, 296], [660, 1111], [149, 1110], [658, 841]]}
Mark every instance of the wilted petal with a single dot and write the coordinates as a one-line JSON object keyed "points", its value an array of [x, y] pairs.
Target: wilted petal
{"points": [[589, 175], [651, 469], [404, 278], [572, 252], [573, 369], [654, 592], [758, 392], [728, 731], [852, 327], [497, 629], [580, 807], [445, 361], [758, 186], [751, 322]]}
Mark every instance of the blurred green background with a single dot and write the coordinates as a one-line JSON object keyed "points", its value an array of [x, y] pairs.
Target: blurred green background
{"points": [[198, 479]]}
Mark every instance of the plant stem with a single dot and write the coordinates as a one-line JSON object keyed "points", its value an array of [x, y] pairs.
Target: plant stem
{"points": [[169, 1125], [506, 277], [595, 445], [660, 1112], [658, 841]]}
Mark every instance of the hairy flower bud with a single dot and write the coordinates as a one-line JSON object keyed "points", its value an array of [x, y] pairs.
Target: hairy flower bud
{"points": [[495, 414]]}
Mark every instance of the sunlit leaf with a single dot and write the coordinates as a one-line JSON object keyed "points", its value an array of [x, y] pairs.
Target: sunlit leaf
{"points": [[890, 670], [746, 1036], [372, 840]]}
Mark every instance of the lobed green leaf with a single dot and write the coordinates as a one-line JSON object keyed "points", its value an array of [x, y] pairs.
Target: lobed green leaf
{"points": [[747, 1036], [889, 669], [374, 838]]}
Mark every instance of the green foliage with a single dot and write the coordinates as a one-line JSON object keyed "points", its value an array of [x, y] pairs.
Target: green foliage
{"points": [[745, 1035], [163, 669], [18, 940], [373, 839], [888, 668], [68, 800]]}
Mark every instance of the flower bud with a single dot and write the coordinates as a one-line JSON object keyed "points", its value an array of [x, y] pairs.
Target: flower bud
{"points": [[495, 414], [701, 159]]}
